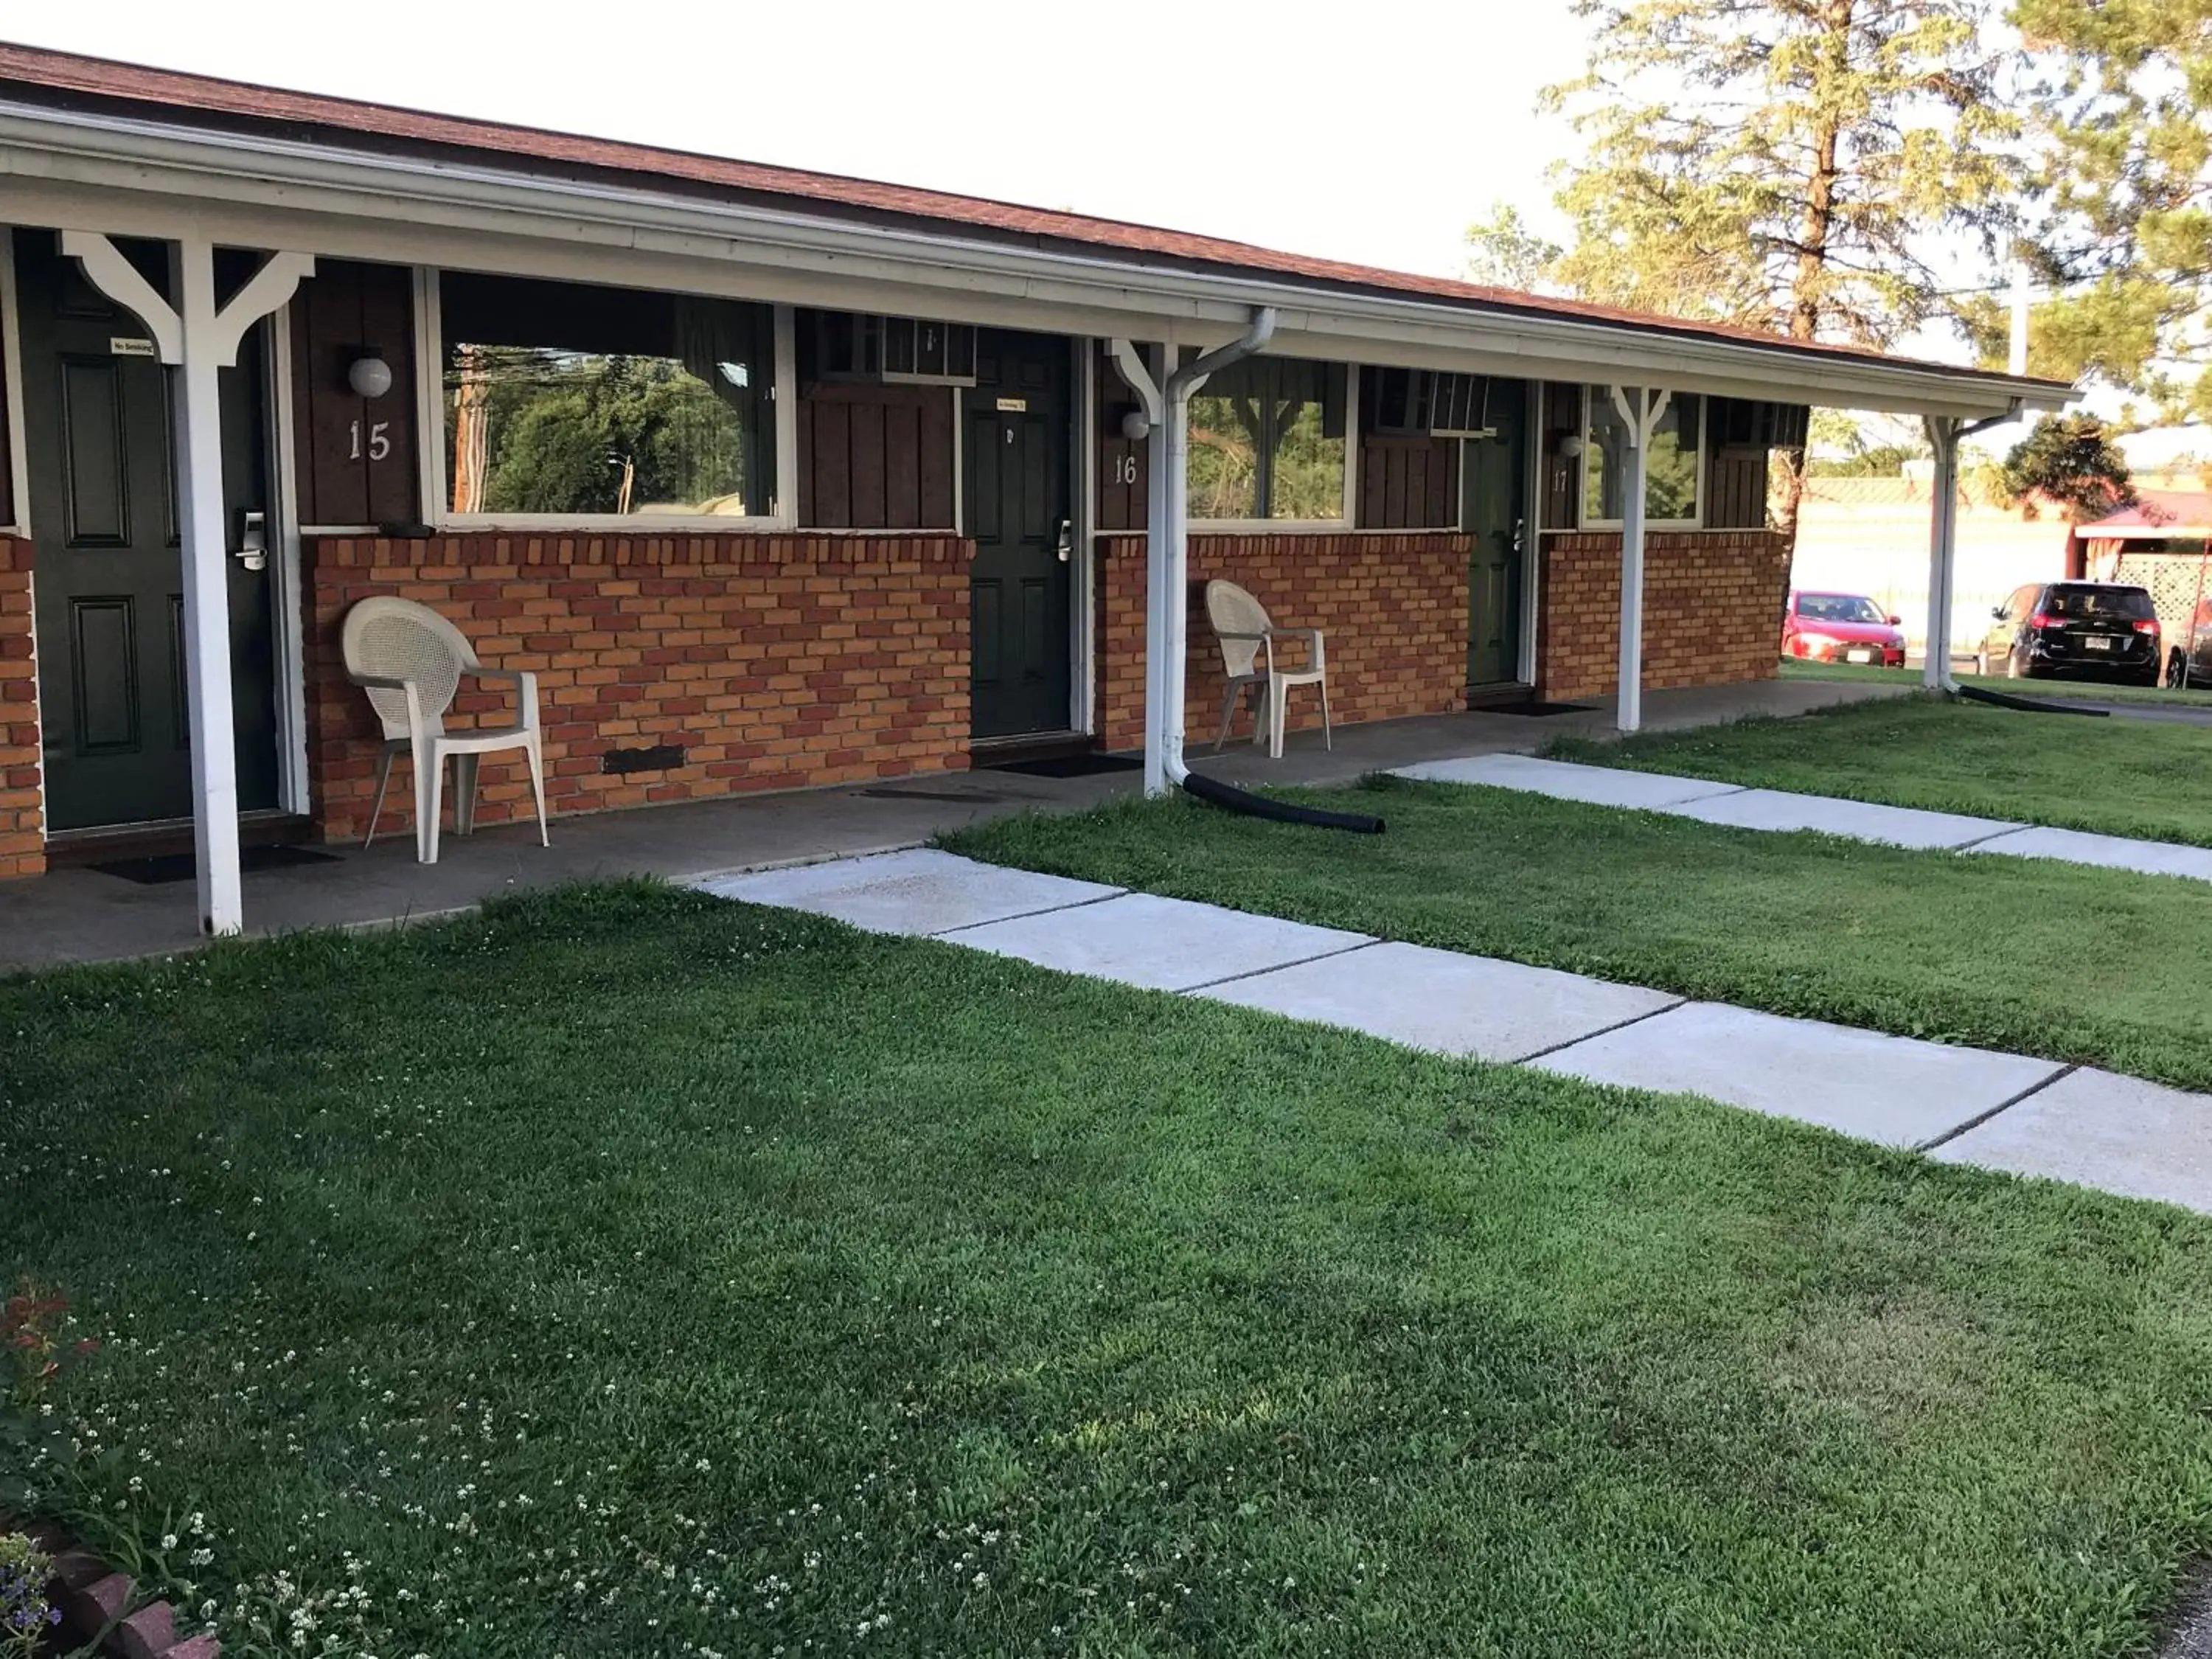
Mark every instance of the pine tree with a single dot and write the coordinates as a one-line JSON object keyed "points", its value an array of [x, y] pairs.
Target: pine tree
{"points": [[2122, 194], [1800, 166]]}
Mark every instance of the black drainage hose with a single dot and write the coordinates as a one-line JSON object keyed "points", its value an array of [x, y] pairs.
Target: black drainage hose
{"points": [[1259, 806], [2032, 705]]}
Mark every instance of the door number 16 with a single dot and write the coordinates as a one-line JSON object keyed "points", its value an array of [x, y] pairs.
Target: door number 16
{"points": [[380, 440]]}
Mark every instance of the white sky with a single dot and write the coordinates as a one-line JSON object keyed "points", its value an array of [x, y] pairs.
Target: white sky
{"points": [[1375, 138]]}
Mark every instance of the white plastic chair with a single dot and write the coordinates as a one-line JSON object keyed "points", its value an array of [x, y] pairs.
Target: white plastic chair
{"points": [[410, 661], [1241, 623]]}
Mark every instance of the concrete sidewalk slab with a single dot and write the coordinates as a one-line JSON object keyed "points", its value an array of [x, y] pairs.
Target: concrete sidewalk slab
{"points": [[1445, 1002], [1161, 943], [1898, 1090], [1599, 786], [2096, 1129], [2151, 858], [918, 891], [1894, 826]]}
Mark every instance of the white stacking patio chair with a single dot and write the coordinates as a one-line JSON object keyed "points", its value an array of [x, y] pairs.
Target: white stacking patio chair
{"points": [[410, 661], [1241, 625]]}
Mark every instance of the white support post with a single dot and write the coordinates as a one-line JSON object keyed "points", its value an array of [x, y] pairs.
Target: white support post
{"points": [[1641, 417], [196, 338], [1942, 552], [207, 597]]}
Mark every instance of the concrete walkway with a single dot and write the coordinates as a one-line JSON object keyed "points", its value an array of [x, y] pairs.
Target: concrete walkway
{"points": [[80, 915], [1964, 1105], [1741, 808]]}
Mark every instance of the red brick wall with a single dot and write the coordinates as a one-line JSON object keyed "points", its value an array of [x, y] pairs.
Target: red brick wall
{"points": [[775, 661], [1393, 608], [1712, 609], [22, 833]]}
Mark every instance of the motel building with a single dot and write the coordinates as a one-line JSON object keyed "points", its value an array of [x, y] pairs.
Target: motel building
{"points": [[776, 480]]}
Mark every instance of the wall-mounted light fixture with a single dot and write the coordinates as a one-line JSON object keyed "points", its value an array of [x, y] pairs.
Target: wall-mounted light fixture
{"points": [[1572, 445], [368, 375], [1134, 427]]}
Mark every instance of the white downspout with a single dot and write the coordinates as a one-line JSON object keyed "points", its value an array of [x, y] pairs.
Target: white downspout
{"points": [[1167, 610]]}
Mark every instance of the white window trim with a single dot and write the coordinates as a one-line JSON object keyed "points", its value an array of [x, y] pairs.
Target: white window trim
{"points": [[430, 420], [1338, 527], [1695, 521]]}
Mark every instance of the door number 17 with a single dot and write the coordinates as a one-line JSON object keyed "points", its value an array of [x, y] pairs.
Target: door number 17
{"points": [[380, 440]]}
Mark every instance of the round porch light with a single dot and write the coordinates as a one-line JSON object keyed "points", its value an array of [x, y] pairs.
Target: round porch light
{"points": [[369, 375], [1572, 445], [1135, 428]]}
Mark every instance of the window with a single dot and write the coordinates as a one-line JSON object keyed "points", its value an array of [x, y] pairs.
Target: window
{"points": [[1266, 441], [1672, 480], [574, 401], [1839, 608]]}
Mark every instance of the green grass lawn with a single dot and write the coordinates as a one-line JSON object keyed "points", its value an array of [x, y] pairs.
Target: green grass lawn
{"points": [[1794, 668], [2121, 777], [629, 1273], [2028, 955]]}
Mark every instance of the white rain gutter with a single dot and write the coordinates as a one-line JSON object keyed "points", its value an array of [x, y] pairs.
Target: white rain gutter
{"points": [[1167, 538], [154, 174]]}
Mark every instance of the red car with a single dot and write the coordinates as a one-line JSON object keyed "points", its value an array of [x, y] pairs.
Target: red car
{"points": [[1841, 627]]}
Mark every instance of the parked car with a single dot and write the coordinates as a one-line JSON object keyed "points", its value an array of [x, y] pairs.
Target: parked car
{"points": [[2095, 630], [2189, 662], [1841, 627]]}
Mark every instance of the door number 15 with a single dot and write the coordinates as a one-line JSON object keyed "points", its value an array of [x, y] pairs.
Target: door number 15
{"points": [[380, 440]]}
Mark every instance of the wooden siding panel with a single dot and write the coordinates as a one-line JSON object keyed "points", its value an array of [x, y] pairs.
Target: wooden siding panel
{"points": [[1408, 484], [1557, 508], [875, 457], [346, 308], [1124, 469]]}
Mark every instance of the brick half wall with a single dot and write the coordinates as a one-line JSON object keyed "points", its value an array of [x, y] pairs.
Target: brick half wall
{"points": [[1393, 608], [1712, 609], [776, 662], [22, 825]]}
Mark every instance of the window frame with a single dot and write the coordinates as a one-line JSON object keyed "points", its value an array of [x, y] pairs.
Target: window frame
{"points": [[1348, 509], [430, 419], [1696, 518]]}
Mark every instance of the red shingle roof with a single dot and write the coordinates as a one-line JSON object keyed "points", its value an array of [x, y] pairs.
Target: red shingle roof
{"points": [[348, 118]]}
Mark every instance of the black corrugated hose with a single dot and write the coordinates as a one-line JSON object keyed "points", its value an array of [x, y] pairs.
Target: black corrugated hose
{"points": [[2032, 705], [1259, 806]]}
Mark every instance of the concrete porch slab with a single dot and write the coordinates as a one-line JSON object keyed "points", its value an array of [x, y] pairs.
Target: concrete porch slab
{"points": [[1160, 943], [1896, 826], [1443, 1001], [2096, 1129], [2151, 858], [919, 891], [1898, 1090], [1599, 786]]}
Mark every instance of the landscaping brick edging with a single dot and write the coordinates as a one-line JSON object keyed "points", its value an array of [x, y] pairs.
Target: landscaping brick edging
{"points": [[92, 1596]]}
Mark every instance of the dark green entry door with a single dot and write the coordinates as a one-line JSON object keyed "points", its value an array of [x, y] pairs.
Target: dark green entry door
{"points": [[97, 418], [1495, 495], [1019, 515]]}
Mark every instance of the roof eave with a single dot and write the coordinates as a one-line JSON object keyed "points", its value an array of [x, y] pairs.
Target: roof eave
{"points": [[146, 174]]}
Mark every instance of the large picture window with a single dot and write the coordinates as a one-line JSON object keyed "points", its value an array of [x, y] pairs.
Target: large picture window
{"points": [[1266, 441], [1672, 479], [573, 401]]}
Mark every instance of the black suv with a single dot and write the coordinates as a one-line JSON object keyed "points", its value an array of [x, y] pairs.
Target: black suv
{"points": [[2099, 630]]}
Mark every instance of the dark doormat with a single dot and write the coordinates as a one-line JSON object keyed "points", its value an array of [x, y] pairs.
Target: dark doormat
{"points": [[1537, 710], [1073, 766], [180, 866]]}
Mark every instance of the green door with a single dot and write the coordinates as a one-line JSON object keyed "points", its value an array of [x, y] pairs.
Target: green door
{"points": [[1495, 510], [1019, 514], [103, 506]]}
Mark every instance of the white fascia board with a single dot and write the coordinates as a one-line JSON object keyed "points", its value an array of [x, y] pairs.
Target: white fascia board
{"points": [[133, 176]]}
